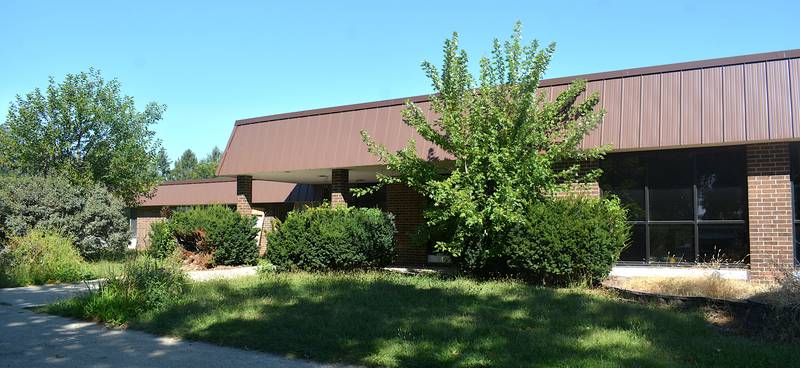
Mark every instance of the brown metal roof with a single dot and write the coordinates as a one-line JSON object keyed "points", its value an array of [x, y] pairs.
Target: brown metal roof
{"points": [[223, 191], [720, 101]]}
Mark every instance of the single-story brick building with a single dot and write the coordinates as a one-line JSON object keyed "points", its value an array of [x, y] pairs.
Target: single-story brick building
{"points": [[267, 197], [705, 154]]}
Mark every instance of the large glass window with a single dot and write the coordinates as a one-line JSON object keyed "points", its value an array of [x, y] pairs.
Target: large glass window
{"points": [[685, 206]]}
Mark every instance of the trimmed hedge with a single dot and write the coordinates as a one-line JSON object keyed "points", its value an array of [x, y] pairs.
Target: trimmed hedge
{"points": [[564, 241], [217, 230], [327, 239]]}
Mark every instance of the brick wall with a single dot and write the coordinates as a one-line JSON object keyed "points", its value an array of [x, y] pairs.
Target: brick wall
{"points": [[340, 179], [272, 212], [244, 195], [769, 205], [144, 217], [407, 206], [591, 189], [582, 189]]}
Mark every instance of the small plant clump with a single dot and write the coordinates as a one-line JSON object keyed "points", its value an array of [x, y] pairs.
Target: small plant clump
{"points": [[41, 257], [162, 242], [145, 284]]}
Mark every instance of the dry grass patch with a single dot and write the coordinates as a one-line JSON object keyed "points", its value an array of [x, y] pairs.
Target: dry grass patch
{"points": [[784, 293], [712, 286]]}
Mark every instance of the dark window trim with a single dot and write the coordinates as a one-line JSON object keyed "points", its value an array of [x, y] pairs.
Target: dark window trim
{"points": [[695, 221], [794, 156]]}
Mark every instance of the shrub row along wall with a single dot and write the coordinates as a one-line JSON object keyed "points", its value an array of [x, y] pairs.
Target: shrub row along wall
{"points": [[769, 218]]}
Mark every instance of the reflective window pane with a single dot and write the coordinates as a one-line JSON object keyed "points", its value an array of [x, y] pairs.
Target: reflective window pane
{"points": [[723, 243], [721, 185], [796, 185], [624, 176], [672, 243], [635, 252], [670, 187]]}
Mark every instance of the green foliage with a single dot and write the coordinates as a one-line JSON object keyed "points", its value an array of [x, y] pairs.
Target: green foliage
{"points": [[40, 257], [217, 230], [563, 241], [162, 240], [325, 238], [184, 166], [91, 216], [162, 164], [509, 142], [4, 213], [85, 129], [146, 284], [188, 167], [266, 268]]}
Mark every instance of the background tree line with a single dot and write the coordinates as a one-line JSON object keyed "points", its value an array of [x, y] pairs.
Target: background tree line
{"points": [[75, 154]]}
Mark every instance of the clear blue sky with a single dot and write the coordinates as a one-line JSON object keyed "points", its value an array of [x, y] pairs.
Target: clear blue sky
{"points": [[214, 62]]}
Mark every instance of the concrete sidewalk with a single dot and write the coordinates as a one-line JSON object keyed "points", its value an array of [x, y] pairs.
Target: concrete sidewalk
{"points": [[34, 340], [32, 296]]}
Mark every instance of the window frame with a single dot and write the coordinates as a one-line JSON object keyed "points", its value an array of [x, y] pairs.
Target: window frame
{"points": [[794, 177], [696, 222]]}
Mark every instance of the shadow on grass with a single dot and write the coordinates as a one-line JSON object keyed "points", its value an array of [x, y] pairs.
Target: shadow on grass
{"points": [[421, 322]]}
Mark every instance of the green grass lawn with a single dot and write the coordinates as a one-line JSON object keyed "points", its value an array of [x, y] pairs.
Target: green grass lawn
{"points": [[380, 319], [104, 269]]}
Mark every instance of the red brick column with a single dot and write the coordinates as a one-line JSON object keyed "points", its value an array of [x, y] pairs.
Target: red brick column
{"points": [[407, 206], [340, 179], [271, 213], [769, 205], [244, 195]]}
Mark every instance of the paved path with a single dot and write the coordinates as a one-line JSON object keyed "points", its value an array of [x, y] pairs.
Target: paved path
{"points": [[227, 273], [32, 296], [32, 340]]}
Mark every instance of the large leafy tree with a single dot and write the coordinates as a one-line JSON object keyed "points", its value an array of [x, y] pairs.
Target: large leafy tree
{"points": [[188, 167], [85, 129], [512, 146]]}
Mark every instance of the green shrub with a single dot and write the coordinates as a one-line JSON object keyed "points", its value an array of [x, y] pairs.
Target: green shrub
{"points": [[564, 241], [162, 241], [266, 268], [39, 258], [217, 230], [146, 284], [92, 217], [325, 238]]}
